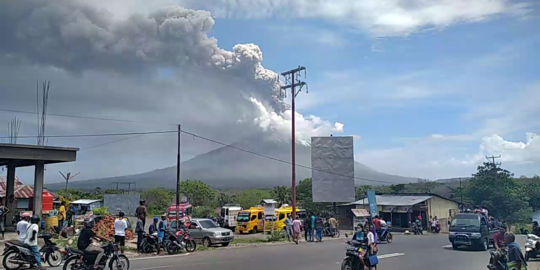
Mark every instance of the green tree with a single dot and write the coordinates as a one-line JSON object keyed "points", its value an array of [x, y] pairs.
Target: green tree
{"points": [[282, 194], [361, 192], [397, 188], [197, 192], [496, 189], [251, 197], [203, 212], [158, 199]]}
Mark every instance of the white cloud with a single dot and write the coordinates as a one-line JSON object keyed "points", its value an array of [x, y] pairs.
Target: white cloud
{"points": [[280, 124], [510, 152]]}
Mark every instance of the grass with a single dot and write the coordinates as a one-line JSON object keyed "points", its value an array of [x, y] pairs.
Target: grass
{"points": [[249, 240]]}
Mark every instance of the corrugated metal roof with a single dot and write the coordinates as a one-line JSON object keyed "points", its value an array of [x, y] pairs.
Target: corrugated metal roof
{"points": [[85, 201], [3, 183], [360, 212], [24, 192], [397, 200]]}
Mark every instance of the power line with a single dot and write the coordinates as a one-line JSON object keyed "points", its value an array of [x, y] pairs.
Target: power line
{"points": [[111, 142], [100, 134]]}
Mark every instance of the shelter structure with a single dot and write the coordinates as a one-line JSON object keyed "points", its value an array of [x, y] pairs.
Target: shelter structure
{"points": [[14, 156], [401, 209]]}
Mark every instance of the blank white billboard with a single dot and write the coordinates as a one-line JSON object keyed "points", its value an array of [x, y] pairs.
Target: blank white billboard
{"points": [[332, 163]]}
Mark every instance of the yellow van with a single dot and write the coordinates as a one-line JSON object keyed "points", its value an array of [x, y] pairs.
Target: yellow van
{"points": [[249, 220], [281, 215]]}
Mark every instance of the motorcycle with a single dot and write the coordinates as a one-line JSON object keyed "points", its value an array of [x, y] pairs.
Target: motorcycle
{"points": [[417, 229], [499, 264], [386, 235], [84, 260], [175, 243], [353, 257], [150, 243], [20, 254], [327, 232], [531, 247]]}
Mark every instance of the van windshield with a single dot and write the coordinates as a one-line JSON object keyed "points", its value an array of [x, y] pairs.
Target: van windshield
{"points": [[243, 216], [173, 213], [465, 222]]}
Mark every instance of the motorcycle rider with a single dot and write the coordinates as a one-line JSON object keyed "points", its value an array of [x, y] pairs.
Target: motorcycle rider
{"points": [[382, 230], [85, 240], [31, 239], [499, 241], [22, 227]]}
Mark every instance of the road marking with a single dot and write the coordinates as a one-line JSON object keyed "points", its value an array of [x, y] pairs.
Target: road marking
{"points": [[154, 257], [391, 255]]}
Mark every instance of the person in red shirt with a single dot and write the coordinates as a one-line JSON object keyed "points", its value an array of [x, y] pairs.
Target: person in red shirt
{"points": [[377, 222], [499, 241]]}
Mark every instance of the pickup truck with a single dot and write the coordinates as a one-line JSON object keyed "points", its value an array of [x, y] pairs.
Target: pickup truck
{"points": [[472, 230]]}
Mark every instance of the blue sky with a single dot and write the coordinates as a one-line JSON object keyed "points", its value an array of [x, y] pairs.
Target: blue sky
{"points": [[427, 87]]}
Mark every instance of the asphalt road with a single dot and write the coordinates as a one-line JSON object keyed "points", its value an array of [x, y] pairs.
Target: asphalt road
{"points": [[405, 253]]}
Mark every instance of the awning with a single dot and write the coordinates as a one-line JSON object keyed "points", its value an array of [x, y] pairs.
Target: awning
{"points": [[360, 212]]}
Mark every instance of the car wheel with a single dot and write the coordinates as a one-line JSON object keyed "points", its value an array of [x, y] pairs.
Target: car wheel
{"points": [[455, 246], [484, 245], [206, 242], [225, 244]]}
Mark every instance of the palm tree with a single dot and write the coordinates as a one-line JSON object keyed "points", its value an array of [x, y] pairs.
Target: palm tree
{"points": [[282, 194]]}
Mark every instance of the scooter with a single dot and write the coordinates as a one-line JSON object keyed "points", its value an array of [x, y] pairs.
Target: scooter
{"points": [[353, 257], [19, 254], [501, 264], [417, 229], [386, 235], [531, 246]]}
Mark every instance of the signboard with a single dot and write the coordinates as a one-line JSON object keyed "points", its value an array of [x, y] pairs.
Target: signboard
{"points": [[372, 203], [402, 209], [332, 162], [387, 209], [269, 209]]}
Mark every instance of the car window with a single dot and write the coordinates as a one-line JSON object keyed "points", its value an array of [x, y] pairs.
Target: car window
{"points": [[208, 224], [281, 216], [260, 215], [193, 225]]}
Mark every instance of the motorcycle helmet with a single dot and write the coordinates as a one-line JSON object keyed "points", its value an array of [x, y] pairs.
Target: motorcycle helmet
{"points": [[143, 202], [35, 219], [89, 223]]}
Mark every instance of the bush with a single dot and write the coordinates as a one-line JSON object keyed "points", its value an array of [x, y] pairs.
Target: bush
{"points": [[276, 236], [101, 211], [203, 212]]}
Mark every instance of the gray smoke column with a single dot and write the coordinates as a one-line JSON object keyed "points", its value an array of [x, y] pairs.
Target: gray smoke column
{"points": [[77, 37]]}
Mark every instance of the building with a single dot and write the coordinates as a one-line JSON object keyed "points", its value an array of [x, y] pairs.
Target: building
{"points": [[400, 209], [23, 197]]}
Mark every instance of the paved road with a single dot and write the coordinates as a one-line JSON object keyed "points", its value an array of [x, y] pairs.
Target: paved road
{"points": [[406, 253]]}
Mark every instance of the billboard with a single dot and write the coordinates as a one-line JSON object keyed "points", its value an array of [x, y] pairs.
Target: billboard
{"points": [[372, 200], [332, 173], [126, 203]]}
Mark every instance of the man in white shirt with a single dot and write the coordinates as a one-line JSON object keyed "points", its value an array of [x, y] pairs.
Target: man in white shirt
{"points": [[22, 227], [31, 239], [120, 226]]}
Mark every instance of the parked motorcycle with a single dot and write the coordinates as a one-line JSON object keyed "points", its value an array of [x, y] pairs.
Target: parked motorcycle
{"points": [[327, 232], [20, 254], [353, 257], [386, 235], [84, 260], [176, 243], [531, 246], [150, 243]]}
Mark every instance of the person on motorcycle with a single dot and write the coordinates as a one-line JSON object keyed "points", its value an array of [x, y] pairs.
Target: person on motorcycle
{"points": [[499, 241], [516, 261], [360, 239], [31, 238], [153, 227], [383, 229], [85, 240], [22, 227]]}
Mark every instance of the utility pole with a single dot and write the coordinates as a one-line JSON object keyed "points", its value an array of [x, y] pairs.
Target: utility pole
{"points": [[292, 81], [68, 177], [461, 191], [178, 176], [493, 160]]}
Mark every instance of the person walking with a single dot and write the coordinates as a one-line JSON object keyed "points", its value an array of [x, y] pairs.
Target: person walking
{"points": [[22, 227], [333, 225], [319, 224], [288, 227], [141, 210], [120, 226], [139, 230], [296, 228], [3, 211], [31, 239], [308, 229], [61, 215]]}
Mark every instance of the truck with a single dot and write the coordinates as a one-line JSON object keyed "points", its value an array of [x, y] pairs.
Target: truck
{"points": [[471, 230], [229, 213], [249, 220], [184, 212]]}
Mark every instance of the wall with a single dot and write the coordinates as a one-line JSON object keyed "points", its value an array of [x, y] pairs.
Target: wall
{"points": [[127, 203], [440, 207]]}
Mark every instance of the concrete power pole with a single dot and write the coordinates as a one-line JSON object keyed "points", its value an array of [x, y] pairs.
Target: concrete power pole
{"points": [[495, 164], [292, 81], [68, 177]]}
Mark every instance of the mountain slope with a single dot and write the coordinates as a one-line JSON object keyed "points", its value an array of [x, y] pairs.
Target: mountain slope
{"points": [[227, 167]]}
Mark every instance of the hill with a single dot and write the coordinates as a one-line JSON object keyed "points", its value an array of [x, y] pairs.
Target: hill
{"points": [[227, 167]]}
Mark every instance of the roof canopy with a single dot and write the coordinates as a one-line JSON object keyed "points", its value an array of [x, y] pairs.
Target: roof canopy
{"points": [[394, 200], [360, 212], [84, 201], [27, 155]]}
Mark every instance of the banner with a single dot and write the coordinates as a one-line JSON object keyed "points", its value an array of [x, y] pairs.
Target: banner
{"points": [[372, 203]]}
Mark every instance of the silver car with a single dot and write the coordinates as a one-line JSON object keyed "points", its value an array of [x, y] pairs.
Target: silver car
{"points": [[209, 233]]}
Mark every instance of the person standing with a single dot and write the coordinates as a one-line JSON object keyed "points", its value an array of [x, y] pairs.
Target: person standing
{"points": [[162, 226], [288, 227], [296, 228], [120, 226], [308, 229], [312, 227], [372, 243], [141, 210], [139, 229], [3, 211], [31, 239], [61, 215], [319, 224], [22, 227], [333, 225]]}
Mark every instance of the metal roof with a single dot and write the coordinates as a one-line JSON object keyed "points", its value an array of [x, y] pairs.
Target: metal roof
{"points": [[85, 201], [269, 201], [397, 200]]}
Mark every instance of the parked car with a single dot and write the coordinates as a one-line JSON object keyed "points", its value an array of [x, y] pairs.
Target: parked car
{"points": [[207, 232]]}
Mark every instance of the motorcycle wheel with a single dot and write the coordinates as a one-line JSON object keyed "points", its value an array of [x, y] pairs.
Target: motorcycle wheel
{"points": [[11, 255], [172, 249], [389, 238], [527, 256], [121, 262], [72, 263], [347, 264], [191, 246], [54, 258], [337, 234]]}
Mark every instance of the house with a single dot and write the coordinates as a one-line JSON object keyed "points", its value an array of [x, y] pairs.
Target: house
{"points": [[401, 209], [24, 196]]}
